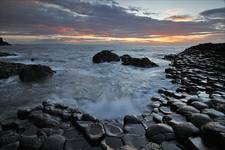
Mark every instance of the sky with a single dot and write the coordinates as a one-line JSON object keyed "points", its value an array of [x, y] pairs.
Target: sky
{"points": [[156, 22]]}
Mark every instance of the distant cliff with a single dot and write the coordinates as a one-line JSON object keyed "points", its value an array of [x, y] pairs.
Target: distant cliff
{"points": [[2, 42]]}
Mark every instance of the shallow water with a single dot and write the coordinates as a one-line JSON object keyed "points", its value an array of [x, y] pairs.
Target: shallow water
{"points": [[107, 90]]}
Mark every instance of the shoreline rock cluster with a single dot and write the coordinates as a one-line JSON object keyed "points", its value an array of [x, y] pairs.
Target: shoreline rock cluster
{"points": [[109, 56], [3, 43], [26, 73], [192, 117]]}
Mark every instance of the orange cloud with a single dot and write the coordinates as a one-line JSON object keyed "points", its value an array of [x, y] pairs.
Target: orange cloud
{"points": [[180, 18]]}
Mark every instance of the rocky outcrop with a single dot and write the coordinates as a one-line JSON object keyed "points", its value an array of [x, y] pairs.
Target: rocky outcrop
{"points": [[34, 72], [3, 43], [4, 54], [26, 72], [108, 56], [137, 62], [105, 56]]}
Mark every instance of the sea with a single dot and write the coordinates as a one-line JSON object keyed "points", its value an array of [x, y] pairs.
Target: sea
{"points": [[106, 90]]}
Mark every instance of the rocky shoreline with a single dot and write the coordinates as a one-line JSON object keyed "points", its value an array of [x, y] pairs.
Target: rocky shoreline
{"points": [[192, 117]]}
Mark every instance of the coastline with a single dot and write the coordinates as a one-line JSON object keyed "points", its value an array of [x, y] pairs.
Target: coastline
{"points": [[178, 119]]}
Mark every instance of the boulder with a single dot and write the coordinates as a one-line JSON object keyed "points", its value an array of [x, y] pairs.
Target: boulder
{"points": [[3, 43], [185, 130], [212, 133], [105, 56], [131, 119], [95, 132], [55, 142], [34, 73], [187, 110], [199, 119], [138, 62], [113, 130], [160, 132]]}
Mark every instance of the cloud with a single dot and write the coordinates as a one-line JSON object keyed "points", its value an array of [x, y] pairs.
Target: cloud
{"points": [[218, 13], [180, 18], [101, 18]]}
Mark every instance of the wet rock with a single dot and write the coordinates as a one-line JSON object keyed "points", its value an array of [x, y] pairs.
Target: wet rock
{"points": [[113, 130], [135, 141], [212, 113], [10, 124], [196, 143], [151, 146], [23, 113], [137, 129], [160, 132], [138, 62], [31, 130], [3, 43], [177, 104], [212, 133], [127, 147], [199, 105], [30, 143], [9, 69], [8, 138], [60, 106], [71, 134], [95, 132], [199, 119], [157, 118], [112, 142], [131, 119], [217, 105], [4, 54], [55, 142], [170, 146], [187, 110], [82, 125], [169, 57], [185, 130], [34, 73], [165, 110], [42, 120], [12, 146], [88, 117], [105, 56], [51, 131]]}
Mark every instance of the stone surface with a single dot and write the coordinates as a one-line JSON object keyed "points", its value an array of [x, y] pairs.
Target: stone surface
{"points": [[185, 130], [199, 105], [138, 62], [95, 132], [160, 132], [131, 119], [34, 73], [105, 56], [113, 130], [135, 141], [199, 119], [55, 142], [187, 110]]}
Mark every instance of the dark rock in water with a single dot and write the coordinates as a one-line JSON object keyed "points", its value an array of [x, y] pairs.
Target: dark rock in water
{"points": [[135, 141], [199, 105], [187, 110], [185, 130], [105, 56], [217, 105], [9, 69], [88, 117], [3, 43], [212, 133], [212, 113], [137, 62], [4, 54], [42, 120], [196, 143], [112, 142], [12, 146], [34, 72], [95, 132], [23, 113], [199, 119], [30, 143], [170, 146], [113, 130], [151, 146], [55, 142], [159, 133], [131, 119], [8, 137], [137, 129], [169, 57]]}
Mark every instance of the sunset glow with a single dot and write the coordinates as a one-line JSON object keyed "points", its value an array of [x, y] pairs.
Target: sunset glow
{"points": [[45, 21]]}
